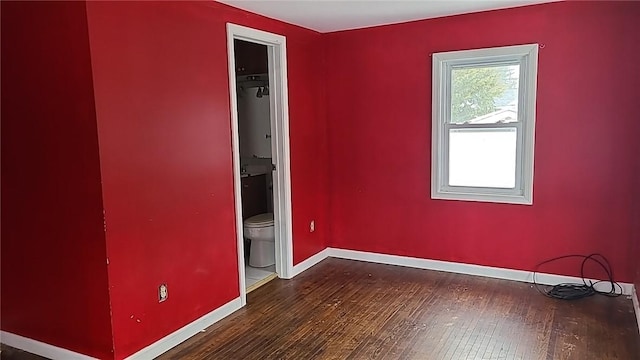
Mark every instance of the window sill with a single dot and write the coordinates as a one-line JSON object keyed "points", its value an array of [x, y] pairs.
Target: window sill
{"points": [[478, 197]]}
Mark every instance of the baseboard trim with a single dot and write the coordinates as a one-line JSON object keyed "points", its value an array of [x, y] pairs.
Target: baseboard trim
{"points": [[40, 348], [166, 343], [460, 268], [309, 262], [636, 306]]}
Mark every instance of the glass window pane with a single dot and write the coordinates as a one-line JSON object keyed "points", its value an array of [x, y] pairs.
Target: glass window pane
{"points": [[484, 94], [482, 157]]}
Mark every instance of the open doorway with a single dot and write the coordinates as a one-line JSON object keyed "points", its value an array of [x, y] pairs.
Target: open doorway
{"points": [[260, 137], [256, 180]]}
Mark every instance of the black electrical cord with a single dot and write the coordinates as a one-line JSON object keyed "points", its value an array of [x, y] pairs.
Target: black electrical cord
{"points": [[567, 291]]}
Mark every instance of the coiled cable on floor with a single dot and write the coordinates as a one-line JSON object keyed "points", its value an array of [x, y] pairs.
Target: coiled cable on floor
{"points": [[568, 291]]}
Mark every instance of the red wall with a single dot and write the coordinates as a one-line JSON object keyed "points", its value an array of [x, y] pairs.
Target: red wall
{"points": [[162, 103], [379, 118], [54, 272]]}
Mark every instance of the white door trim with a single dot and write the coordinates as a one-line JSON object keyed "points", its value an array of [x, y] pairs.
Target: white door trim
{"points": [[279, 108]]}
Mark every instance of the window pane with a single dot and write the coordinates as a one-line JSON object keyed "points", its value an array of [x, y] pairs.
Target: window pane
{"points": [[484, 94], [482, 157]]}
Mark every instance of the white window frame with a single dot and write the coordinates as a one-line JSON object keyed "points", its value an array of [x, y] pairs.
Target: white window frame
{"points": [[527, 57]]}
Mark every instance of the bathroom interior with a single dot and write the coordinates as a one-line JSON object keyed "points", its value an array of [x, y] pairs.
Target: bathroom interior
{"points": [[254, 130]]}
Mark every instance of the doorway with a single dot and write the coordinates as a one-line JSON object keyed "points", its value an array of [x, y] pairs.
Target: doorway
{"points": [[261, 164]]}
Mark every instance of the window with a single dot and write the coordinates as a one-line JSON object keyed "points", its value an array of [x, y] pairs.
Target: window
{"points": [[483, 124]]}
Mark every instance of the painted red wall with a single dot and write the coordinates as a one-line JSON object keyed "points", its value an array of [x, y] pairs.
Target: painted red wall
{"points": [[54, 271], [379, 118], [163, 113]]}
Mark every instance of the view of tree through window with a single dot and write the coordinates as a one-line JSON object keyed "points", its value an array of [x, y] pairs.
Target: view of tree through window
{"points": [[486, 94]]}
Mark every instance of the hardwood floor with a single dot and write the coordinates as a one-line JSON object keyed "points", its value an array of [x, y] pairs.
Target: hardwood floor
{"points": [[342, 309]]}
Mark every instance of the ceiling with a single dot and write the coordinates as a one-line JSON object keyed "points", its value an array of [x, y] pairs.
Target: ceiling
{"points": [[332, 15]]}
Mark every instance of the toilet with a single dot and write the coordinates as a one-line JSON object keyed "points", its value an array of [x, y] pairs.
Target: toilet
{"points": [[259, 229]]}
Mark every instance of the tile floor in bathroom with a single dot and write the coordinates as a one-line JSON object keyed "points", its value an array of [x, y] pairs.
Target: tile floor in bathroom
{"points": [[253, 276]]}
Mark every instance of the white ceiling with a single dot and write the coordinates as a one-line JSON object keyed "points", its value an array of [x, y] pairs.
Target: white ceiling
{"points": [[332, 15]]}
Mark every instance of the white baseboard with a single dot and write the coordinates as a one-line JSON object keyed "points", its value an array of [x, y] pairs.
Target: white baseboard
{"points": [[460, 268], [636, 306], [163, 345], [309, 262], [40, 348]]}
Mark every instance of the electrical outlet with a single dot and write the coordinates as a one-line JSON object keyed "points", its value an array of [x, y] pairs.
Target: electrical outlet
{"points": [[163, 292], [312, 226]]}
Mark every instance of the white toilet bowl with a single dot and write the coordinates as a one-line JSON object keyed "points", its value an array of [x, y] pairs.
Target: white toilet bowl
{"points": [[259, 229]]}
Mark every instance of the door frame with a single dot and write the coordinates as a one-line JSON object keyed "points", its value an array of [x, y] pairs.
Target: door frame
{"points": [[279, 118]]}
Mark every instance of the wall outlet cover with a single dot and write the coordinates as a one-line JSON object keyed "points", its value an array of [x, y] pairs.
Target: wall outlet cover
{"points": [[163, 292]]}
